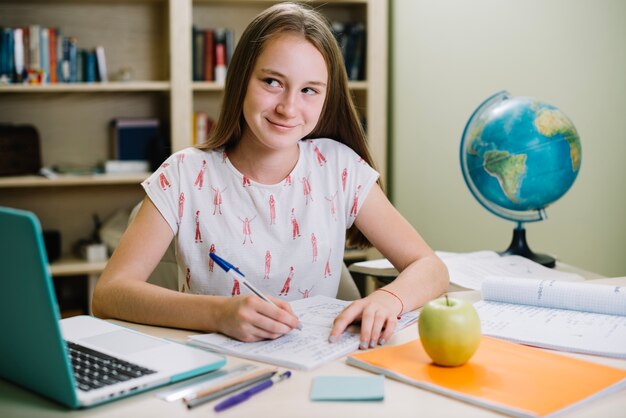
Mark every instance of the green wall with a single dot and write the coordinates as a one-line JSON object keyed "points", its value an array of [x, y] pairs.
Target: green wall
{"points": [[448, 56]]}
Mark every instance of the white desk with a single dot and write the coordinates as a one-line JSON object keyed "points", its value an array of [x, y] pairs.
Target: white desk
{"points": [[291, 398]]}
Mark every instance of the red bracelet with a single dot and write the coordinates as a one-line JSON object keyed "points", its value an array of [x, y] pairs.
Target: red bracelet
{"points": [[396, 296]]}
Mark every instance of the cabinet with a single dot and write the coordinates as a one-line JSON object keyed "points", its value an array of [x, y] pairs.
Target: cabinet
{"points": [[153, 37]]}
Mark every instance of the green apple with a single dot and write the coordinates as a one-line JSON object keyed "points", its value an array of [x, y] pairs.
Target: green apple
{"points": [[449, 330]]}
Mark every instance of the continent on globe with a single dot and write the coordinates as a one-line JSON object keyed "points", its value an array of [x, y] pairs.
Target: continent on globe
{"points": [[508, 169], [550, 122]]}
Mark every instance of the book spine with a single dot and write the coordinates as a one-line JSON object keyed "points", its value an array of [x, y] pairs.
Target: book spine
{"points": [[80, 65], [198, 53], [44, 57], [101, 64], [34, 53], [208, 55], [90, 66], [73, 58], [26, 49], [7, 63], [59, 56], [65, 61], [52, 51], [219, 38], [18, 49]]}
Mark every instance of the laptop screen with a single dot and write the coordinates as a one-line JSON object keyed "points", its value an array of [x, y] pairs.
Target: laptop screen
{"points": [[32, 349]]}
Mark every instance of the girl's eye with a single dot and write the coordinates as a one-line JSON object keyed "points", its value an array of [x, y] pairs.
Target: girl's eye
{"points": [[309, 90], [272, 82]]}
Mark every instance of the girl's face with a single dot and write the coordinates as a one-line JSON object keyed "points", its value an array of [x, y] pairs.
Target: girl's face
{"points": [[286, 92]]}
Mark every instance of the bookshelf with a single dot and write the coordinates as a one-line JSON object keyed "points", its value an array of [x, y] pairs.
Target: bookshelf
{"points": [[153, 37]]}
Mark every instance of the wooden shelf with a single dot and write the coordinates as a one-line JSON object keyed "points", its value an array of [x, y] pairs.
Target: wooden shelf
{"points": [[67, 180], [71, 180], [76, 267], [111, 87]]}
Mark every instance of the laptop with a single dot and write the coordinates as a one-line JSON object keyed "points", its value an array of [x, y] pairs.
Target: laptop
{"points": [[111, 361]]}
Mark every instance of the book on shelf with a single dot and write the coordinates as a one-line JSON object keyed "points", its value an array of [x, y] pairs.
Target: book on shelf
{"points": [[101, 64], [202, 126], [7, 64], [211, 53], [36, 54], [132, 139], [303, 349], [351, 37], [580, 317], [506, 377]]}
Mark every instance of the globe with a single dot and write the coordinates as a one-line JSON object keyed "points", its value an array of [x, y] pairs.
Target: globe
{"points": [[518, 156]]}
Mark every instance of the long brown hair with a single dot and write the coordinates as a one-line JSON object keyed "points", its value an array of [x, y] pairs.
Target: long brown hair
{"points": [[338, 120]]}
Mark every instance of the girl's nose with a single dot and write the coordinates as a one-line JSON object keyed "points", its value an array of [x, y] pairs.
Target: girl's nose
{"points": [[287, 105]]}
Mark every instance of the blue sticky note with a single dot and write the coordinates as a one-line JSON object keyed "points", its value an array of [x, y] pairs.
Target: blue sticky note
{"points": [[348, 388]]}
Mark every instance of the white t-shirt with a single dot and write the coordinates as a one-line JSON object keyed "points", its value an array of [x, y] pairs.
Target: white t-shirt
{"points": [[287, 238]]}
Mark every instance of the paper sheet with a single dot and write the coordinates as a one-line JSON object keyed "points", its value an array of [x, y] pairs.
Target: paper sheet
{"points": [[578, 317], [305, 349]]}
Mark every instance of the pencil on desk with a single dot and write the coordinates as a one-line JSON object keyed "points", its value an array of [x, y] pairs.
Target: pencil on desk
{"points": [[207, 395]]}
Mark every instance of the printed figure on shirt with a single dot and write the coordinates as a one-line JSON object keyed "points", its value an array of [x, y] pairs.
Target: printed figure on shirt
{"points": [[332, 207], [295, 227], [314, 246], [272, 204], [198, 236], [236, 289], [246, 181], [164, 182], [181, 206], [217, 199], [287, 181], [355, 202], [321, 160], [287, 284], [200, 178], [268, 263], [247, 231], [327, 272], [211, 262], [306, 292], [344, 176], [306, 189]]}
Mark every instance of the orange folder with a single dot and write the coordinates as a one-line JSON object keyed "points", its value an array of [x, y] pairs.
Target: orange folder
{"points": [[511, 378]]}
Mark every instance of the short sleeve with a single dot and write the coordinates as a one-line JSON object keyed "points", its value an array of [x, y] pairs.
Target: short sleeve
{"points": [[163, 189]]}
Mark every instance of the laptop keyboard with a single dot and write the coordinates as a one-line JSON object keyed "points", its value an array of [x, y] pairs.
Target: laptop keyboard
{"points": [[93, 369]]}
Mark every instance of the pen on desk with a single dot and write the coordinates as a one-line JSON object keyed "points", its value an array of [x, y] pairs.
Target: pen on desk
{"points": [[247, 394], [238, 275], [207, 396]]}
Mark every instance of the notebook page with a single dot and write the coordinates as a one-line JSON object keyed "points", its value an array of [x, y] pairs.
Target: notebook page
{"points": [[577, 296], [565, 330]]}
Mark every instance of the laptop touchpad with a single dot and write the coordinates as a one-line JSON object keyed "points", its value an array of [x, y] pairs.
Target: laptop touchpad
{"points": [[124, 342]]}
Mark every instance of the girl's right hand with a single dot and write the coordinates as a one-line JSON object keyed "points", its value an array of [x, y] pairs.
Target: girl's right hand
{"points": [[249, 318]]}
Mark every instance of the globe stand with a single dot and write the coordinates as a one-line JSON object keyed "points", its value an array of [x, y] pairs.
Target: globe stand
{"points": [[519, 246]]}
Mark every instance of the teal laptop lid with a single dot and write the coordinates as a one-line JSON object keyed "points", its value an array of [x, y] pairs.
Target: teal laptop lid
{"points": [[31, 348]]}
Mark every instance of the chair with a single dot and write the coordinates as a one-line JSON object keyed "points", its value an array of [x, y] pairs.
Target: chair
{"points": [[166, 272]]}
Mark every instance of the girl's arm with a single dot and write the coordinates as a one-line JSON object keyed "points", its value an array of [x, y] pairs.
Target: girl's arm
{"points": [[423, 276], [123, 292]]}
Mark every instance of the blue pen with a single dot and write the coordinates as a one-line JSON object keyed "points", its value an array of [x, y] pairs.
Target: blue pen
{"points": [[247, 394], [239, 276]]}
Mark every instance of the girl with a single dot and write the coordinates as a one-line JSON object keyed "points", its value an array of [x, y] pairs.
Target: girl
{"points": [[282, 178]]}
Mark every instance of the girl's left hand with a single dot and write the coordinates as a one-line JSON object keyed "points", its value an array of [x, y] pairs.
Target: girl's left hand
{"points": [[378, 314]]}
